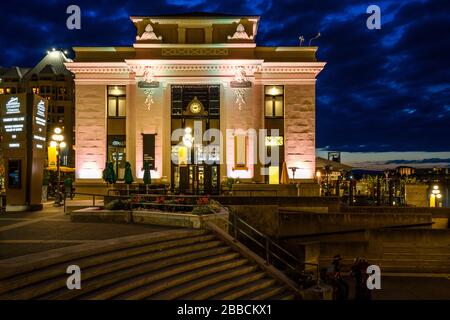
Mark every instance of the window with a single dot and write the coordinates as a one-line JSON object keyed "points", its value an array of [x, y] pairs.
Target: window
{"points": [[116, 101], [240, 152], [60, 109], [2, 91], [274, 101], [36, 90], [14, 174]]}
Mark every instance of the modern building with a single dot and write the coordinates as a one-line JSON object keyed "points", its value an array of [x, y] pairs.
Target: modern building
{"points": [[51, 80], [185, 75]]}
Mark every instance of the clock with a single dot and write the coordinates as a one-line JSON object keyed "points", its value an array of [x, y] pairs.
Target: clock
{"points": [[195, 106]]}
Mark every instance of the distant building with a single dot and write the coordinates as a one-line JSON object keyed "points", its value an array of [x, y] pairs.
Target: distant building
{"points": [[51, 80], [405, 171]]}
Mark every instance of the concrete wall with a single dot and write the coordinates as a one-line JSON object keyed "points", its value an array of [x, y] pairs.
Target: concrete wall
{"points": [[416, 195], [304, 223]]}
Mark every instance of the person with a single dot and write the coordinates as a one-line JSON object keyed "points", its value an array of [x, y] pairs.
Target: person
{"points": [[360, 276], [68, 187], [340, 286]]}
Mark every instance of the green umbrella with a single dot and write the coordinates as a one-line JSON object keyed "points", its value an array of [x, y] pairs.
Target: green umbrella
{"points": [[128, 174], [147, 174], [110, 175], [105, 172]]}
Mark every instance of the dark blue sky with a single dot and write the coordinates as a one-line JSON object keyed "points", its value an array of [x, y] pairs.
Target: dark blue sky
{"points": [[382, 90]]}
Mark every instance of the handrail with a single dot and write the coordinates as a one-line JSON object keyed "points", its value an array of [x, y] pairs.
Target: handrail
{"points": [[268, 246]]}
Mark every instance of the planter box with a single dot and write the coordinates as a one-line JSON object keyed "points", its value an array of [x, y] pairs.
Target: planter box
{"points": [[185, 220], [93, 214], [170, 219]]}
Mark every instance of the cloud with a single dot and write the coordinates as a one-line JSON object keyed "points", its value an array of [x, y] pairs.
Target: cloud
{"points": [[385, 89]]}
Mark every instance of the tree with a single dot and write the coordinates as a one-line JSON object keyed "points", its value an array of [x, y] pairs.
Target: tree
{"points": [[128, 176]]}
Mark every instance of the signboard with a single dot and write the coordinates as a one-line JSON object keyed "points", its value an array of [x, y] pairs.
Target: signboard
{"points": [[149, 149], [272, 141]]}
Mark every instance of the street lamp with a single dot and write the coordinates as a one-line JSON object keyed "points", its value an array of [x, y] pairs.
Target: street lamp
{"points": [[58, 143], [435, 195]]}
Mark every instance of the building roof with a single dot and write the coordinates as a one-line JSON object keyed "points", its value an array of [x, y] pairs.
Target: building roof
{"points": [[14, 72], [321, 163], [52, 63], [201, 14]]}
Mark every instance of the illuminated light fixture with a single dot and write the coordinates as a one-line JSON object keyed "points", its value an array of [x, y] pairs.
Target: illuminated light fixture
{"points": [[13, 136], [439, 196], [53, 49], [318, 174], [187, 138], [65, 52], [53, 144], [58, 130], [39, 146], [62, 144], [14, 145], [275, 91]]}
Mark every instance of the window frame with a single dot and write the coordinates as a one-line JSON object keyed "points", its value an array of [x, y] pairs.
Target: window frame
{"points": [[116, 100], [273, 99]]}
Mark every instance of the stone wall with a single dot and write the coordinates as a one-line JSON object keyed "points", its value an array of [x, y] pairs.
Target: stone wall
{"points": [[90, 126], [300, 128]]}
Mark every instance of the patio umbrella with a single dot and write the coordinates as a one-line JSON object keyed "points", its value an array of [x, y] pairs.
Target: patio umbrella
{"points": [[128, 177], [284, 179]]}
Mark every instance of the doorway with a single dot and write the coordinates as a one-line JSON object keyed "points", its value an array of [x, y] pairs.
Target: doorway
{"points": [[195, 158]]}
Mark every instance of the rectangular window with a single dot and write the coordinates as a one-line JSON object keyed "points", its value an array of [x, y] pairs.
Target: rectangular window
{"points": [[116, 101], [14, 174], [240, 152], [274, 101]]}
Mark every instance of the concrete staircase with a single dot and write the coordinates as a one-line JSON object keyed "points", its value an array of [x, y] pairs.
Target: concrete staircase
{"points": [[174, 264], [398, 257]]}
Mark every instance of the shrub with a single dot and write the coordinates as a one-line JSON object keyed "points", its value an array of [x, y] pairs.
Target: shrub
{"points": [[117, 204]]}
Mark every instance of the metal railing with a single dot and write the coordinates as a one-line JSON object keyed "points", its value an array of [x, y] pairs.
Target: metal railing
{"points": [[269, 250]]}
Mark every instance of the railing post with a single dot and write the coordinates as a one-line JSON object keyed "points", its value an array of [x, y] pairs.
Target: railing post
{"points": [[93, 200], [235, 226], [267, 251]]}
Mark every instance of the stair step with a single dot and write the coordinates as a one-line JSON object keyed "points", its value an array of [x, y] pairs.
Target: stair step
{"points": [[110, 284], [48, 285], [264, 293], [245, 289], [188, 288], [53, 257], [286, 295], [119, 255], [215, 289], [177, 280]]}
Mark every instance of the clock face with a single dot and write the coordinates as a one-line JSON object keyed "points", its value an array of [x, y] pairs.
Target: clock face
{"points": [[195, 107]]}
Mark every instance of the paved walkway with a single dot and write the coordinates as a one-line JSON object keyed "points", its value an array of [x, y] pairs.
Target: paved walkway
{"points": [[28, 232]]}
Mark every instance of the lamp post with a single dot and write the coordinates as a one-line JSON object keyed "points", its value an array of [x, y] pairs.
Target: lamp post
{"points": [[58, 143], [435, 196]]}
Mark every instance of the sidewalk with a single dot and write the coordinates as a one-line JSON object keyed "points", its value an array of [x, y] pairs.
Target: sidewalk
{"points": [[28, 232]]}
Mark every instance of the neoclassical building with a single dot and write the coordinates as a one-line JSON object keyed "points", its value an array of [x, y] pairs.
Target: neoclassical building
{"points": [[198, 99]]}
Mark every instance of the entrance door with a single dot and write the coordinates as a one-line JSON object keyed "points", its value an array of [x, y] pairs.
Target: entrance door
{"points": [[195, 109]]}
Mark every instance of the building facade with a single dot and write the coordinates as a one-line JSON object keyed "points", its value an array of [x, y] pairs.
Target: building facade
{"points": [[199, 100]]}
